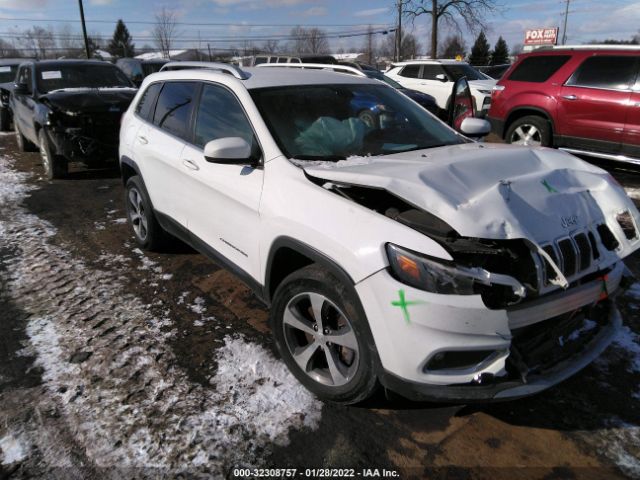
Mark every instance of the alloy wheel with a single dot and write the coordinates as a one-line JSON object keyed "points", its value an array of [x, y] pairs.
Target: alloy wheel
{"points": [[137, 214], [320, 339], [526, 134]]}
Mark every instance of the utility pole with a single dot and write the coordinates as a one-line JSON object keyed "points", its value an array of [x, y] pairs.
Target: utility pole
{"points": [[566, 16], [399, 33], [209, 48], [84, 30]]}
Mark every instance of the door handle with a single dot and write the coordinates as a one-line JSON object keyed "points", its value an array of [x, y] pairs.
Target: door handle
{"points": [[569, 97], [190, 164], [143, 140]]}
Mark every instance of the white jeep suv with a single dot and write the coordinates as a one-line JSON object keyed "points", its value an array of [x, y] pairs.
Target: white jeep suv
{"points": [[435, 78], [393, 251]]}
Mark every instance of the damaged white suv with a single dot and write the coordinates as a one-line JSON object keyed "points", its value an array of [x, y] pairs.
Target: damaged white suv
{"points": [[391, 249]]}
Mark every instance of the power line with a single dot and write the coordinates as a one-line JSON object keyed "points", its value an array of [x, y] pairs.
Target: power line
{"points": [[194, 24]]}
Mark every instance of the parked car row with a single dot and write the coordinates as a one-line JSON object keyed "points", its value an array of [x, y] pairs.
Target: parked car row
{"points": [[393, 269]]}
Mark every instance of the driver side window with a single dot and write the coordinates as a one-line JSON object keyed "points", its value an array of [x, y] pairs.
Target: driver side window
{"points": [[220, 115], [24, 77]]}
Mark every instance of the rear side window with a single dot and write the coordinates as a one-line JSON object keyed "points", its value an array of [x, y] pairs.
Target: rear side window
{"points": [[220, 115], [538, 69], [144, 109], [617, 73], [410, 71], [429, 72], [174, 107]]}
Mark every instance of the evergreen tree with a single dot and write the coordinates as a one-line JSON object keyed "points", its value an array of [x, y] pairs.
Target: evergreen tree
{"points": [[120, 45], [500, 54], [452, 47], [480, 53]]}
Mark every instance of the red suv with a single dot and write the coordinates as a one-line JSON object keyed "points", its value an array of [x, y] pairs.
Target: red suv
{"points": [[585, 100]]}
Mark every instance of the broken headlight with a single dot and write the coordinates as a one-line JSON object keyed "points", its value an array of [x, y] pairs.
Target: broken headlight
{"points": [[428, 274]]}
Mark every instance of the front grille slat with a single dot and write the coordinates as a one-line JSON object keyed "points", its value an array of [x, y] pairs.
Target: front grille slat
{"points": [[571, 254], [569, 257]]}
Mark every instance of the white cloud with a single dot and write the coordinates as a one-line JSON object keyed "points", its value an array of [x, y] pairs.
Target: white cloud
{"points": [[314, 12], [23, 4], [371, 12], [100, 2]]}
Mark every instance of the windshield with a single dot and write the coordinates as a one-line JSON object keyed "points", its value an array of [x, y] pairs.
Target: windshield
{"points": [[383, 77], [8, 73], [333, 122], [59, 77], [456, 72]]}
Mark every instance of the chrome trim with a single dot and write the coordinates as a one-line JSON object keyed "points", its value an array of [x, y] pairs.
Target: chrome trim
{"points": [[604, 156]]}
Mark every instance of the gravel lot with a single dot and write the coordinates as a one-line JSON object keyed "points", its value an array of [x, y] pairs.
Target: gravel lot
{"points": [[116, 363]]}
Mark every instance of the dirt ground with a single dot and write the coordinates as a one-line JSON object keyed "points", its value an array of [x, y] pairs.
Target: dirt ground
{"points": [[116, 363]]}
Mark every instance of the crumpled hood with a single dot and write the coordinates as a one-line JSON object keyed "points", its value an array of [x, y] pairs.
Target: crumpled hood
{"points": [[90, 100], [482, 84], [495, 191]]}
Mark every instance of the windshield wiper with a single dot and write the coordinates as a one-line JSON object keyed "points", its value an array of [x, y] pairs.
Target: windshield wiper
{"points": [[424, 147], [326, 158]]}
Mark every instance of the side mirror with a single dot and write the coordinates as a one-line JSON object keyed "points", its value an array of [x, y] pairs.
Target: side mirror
{"points": [[233, 150], [462, 105], [442, 77], [475, 127], [21, 89]]}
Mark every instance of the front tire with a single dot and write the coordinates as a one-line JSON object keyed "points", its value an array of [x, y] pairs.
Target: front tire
{"points": [[322, 334], [148, 233], [532, 131], [24, 145], [5, 120], [55, 166]]}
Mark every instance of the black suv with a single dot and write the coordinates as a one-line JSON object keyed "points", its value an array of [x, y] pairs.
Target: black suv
{"points": [[70, 110]]}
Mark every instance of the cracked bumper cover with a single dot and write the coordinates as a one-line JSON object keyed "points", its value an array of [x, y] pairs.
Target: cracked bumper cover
{"points": [[462, 323], [74, 143]]}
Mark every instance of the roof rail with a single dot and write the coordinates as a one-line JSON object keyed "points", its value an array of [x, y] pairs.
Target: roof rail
{"points": [[316, 66], [587, 47], [222, 67]]}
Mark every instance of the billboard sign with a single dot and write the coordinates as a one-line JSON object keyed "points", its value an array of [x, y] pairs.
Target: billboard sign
{"points": [[541, 36]]}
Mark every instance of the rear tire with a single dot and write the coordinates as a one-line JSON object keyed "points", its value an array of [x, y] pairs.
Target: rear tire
{"points": [[5, 120], [55, 166], [532, 130], [323, 336], [148, 233]]}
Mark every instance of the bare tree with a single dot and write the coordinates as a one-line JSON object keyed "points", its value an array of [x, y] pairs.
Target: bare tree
{"points": [[312, 40], [317, 41], [271, 46], [69, 43], [454, 13], [40, 40], [164, 31], [409, 46], [369, 46], [7, 50]]}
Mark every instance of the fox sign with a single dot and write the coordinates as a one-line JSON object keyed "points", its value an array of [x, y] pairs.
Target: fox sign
{"points": [[541, 36]]}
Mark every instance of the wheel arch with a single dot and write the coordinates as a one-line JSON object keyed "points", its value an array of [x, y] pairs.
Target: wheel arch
{"points": [[128, 169], [288, 255], [525, 111]]}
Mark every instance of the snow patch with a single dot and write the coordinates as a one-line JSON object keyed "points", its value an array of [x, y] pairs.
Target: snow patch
{"points": [[119, 221], [198, 306], [13, 449]]}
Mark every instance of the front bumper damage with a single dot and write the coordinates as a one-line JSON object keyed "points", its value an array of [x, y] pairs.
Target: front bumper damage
{"points": [[79, 144], [529, 347]]}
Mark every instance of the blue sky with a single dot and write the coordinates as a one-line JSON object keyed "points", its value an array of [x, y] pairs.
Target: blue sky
{"points": [[588, 20]]}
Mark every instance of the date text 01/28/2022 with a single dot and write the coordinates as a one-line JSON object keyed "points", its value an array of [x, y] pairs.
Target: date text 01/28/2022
{"points": [[314, 473]]}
